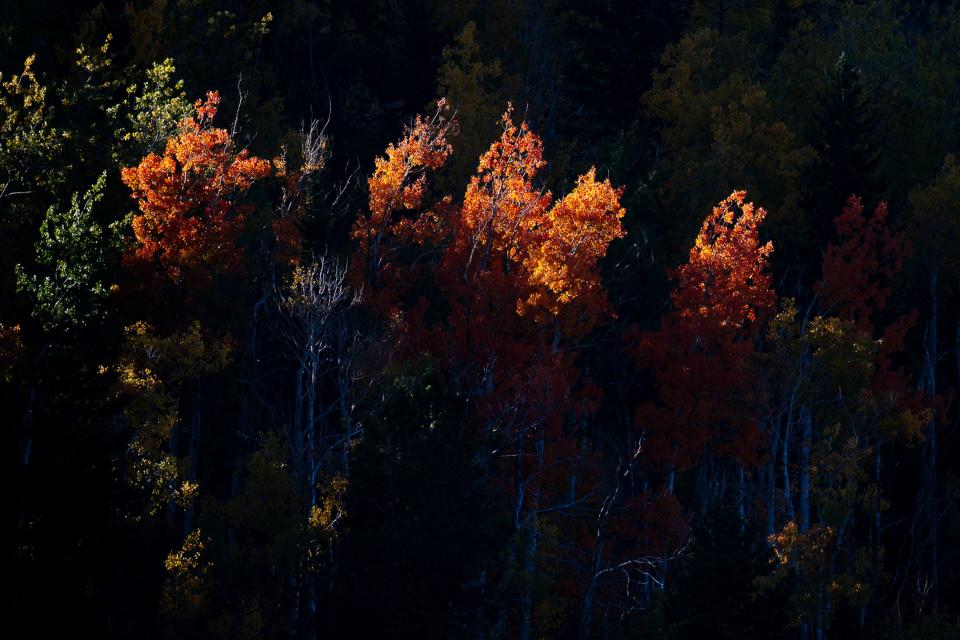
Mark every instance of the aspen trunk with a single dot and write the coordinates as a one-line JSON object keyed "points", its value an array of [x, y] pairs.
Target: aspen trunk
{"points": [[529, 556], [26, 451], [586, 613], [787, 496], [772, 482], [806, 421], [26, 439], [740, 496], [196, 423], [930, 468]]}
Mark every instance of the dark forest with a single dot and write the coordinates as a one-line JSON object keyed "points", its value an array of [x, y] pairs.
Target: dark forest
{"points": [[593, 319]]}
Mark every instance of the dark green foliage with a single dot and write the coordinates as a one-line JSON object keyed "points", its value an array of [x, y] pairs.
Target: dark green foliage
{"points": [[847, 140]]}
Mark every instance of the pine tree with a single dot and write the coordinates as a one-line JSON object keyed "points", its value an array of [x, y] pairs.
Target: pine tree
{"points": [[847, 146]]}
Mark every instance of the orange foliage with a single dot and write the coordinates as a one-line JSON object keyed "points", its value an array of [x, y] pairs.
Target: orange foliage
{"points": [[507, 254], [399, 183], [509, 237], [497, 286], [188, 220], [724, 286], [698, 357]]}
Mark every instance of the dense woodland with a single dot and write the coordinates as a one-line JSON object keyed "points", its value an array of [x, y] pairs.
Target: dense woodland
{"points": [[480, 318]]}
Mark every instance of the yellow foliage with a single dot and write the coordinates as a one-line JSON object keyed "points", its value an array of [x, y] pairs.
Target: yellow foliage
{"points": [[184, 592]]}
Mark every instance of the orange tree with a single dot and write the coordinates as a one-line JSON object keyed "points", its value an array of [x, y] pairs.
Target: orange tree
{"points": [[189, 218]]}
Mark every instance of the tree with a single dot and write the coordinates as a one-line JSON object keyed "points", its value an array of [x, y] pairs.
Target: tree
{"points": [[858, 270], [473, 87], [838, 383], [157, 375], [151, 114], [398, 183], [848, 152], [189, 222], [72, 252], [698, 357], [31, 142], [29, 169], [312, 310]]}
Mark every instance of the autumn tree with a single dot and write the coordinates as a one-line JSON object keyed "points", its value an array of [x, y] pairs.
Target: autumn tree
{"points": [[722, 297], [189, 219], [398, 184], [29, 151]]}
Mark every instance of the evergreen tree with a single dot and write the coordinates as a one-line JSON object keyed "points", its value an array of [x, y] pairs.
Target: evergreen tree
{"points": [[847, 146]]}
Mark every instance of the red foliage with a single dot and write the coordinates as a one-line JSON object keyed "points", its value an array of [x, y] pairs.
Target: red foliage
{"points": [[857, 271], [857, 276], [697, 359]]}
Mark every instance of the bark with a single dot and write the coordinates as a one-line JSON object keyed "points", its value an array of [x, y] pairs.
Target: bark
{"points": [[787, 497], [740, 496], [806, 421], [26, 438], [586, 613], [196, 423], [930, 468], [772, 482], [26, 450], [529, 556]]}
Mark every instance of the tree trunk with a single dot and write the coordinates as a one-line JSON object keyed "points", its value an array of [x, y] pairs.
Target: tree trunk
{"points": [[877, 500], [806, 421], [297, 430], [26, 450], [529, 557], [930, 468], [772, 482], [173, 448], [586, 614], [787, 496], [196, 422], [26, 437], [740, 496], [956, 354], [313, 470]]}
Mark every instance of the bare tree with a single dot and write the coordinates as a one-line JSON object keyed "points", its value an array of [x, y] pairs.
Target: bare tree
{"points": [[314, 328]]}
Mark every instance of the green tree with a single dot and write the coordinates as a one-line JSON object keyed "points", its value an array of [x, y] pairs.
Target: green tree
{"points": [[72, 256]]}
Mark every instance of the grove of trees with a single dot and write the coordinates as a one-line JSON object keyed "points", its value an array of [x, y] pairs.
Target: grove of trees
{"points": [[480, 319]]}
